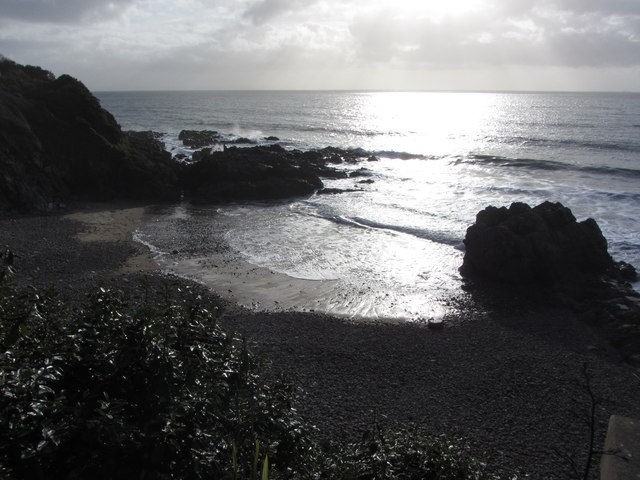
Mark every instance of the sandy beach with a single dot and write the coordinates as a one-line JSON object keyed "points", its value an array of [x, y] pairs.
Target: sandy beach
{"points": [[508, 380], [259, 289], [193, 242], [115, 225]]}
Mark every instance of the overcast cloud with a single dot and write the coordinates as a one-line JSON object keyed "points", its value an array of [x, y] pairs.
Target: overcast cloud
{"points": [[62, 11], [334, 44]]}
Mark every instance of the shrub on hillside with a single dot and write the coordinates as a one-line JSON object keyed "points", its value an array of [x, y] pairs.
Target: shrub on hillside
{"points": [[160, 392], [149, 386]]}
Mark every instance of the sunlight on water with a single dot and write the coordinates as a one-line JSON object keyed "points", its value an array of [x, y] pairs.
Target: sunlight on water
{"points": [[426, 122], [324, 247]]}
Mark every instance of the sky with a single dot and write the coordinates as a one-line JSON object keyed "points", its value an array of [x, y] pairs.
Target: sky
{"points": [[558, 45]]}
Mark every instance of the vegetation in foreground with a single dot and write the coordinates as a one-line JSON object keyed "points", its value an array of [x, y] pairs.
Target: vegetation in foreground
{"points": [[149, 386]]}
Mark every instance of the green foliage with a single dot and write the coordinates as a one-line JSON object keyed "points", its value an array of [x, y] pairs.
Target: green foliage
{"points": [[149, 386], [108, 391], [13, 75], [389, 455]]}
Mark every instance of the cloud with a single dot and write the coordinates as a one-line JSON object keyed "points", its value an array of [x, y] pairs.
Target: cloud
{"points": [[550, 36], [61, 11], [264, 10], [608, 7], [573, 7], [320, 43]]}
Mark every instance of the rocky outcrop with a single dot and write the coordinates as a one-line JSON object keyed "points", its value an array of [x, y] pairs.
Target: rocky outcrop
{"points": [[57, 144], [257, 173], [241, 141], [199, 138], [522, 245], [336, 191], [266, 172], [151, 172], [207, 138], [554, 260]]}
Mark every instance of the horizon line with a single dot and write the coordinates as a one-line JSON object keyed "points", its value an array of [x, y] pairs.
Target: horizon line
{"points": [[350, 90]]}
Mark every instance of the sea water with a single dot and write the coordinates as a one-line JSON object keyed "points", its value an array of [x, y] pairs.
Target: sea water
{"points": [[442, 157]]}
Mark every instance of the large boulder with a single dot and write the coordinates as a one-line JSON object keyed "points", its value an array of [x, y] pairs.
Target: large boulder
{"points": [[565, 260], [257, 173], [58, 144], [520, 245], [199, 138]]}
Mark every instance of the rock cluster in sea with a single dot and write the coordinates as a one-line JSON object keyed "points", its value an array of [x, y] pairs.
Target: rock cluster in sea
{"points": [[262, 173], [557, 259], [206, 138], [57, 144]]}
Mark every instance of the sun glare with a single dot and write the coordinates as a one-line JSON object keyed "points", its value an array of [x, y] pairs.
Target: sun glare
{"points": [[437, 122]]}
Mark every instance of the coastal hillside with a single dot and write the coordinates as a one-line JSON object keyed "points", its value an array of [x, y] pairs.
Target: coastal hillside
{"points": [[58, 144]]}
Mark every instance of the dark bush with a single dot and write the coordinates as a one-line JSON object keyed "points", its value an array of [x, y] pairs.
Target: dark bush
{"points": [[389, 455], [107, 391], [150, 387]]}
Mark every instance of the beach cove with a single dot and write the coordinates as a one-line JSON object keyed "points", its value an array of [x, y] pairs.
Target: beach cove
{"points": [[513, 372], [509, 381]]}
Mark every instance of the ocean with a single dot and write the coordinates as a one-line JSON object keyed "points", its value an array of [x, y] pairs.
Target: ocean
{"points": [[393, 248]]}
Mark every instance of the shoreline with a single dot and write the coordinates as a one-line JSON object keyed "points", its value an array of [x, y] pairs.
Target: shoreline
{"points": [[261, 290], [509, 382], [192, 243]]}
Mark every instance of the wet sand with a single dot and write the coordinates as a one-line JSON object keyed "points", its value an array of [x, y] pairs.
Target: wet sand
{"points": [[192, 243], [259, 289], [509, 381]]}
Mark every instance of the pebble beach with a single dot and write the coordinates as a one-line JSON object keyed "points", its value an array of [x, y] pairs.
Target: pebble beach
{"points": [[508, 380]]}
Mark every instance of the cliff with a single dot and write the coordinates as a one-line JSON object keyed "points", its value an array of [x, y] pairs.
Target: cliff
{"points": [[58, 144]]}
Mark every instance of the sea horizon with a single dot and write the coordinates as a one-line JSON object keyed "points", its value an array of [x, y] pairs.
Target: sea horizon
{"points": [[347, 90]]}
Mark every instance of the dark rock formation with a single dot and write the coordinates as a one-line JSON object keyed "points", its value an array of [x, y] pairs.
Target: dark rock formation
{"points": [[337, 155], [555, 260], [151, 173], [198, 138], [261, 173], [240, 141], [361, 172], [200, 154], [521, 245], [336, 191], [58, 144], [206, 138], [258, 173]]}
